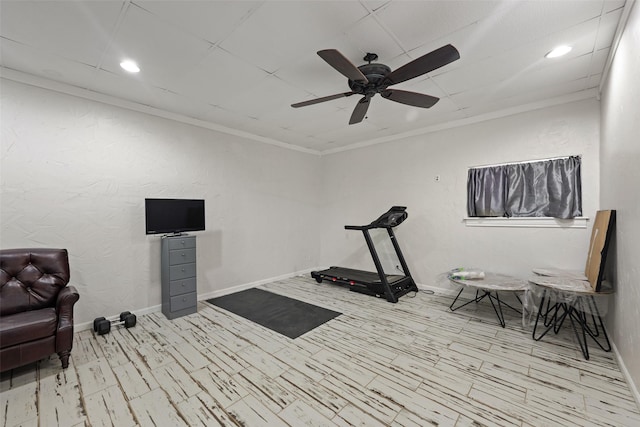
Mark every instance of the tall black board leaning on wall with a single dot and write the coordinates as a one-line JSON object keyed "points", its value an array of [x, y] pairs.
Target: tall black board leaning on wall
{"points": [[378, 284]]}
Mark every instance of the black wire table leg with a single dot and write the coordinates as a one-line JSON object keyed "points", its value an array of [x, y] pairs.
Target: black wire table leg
{"points": [[549, 320], [595, 314], [456, 299], [583, 314], [580, 319], [549, 324], [538, 316], [499, 314], [490, 287], [476, 299], [507, 305], [560, 320]]}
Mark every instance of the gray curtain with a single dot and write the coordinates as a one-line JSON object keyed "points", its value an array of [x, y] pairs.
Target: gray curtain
{"points": [[486, 191], [550, 188]]}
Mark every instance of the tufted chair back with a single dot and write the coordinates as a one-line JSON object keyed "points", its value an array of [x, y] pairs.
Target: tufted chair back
{"points": [[30, 279]]}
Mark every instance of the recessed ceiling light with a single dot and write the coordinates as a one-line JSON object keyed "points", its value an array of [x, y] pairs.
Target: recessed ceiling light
{"points": [[558, 51], [130, 66]]}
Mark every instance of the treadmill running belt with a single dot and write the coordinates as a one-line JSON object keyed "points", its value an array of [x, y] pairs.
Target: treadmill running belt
{"points": [[360, 275]]}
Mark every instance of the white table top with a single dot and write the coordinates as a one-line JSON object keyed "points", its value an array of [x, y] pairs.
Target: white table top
{"points": [[494, 282], [567, 284]]}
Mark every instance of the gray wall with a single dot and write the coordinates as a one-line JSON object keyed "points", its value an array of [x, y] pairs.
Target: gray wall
{"points": [[620, 182]]}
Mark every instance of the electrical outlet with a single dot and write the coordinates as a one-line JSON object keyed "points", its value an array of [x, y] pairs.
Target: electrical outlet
{"points": [[437, 178]]}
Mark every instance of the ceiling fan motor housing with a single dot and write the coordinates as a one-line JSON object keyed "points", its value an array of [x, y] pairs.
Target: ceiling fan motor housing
{"points": [[375, 73]]}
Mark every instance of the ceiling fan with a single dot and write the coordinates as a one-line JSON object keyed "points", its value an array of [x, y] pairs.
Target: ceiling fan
{"points": [[370, 79]]}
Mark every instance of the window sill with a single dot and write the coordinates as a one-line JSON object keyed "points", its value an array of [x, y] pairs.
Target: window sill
{"points": [[532, 222]]}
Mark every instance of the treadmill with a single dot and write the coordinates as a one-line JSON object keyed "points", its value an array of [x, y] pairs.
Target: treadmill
{"points": [[377, 283]]}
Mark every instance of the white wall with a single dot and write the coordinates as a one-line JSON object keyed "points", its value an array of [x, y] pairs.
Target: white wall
{"points": [[620, 183], [363, 183], [74, 174]]}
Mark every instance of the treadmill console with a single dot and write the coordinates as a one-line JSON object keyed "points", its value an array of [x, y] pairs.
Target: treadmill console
{"points": [[393, 217]]}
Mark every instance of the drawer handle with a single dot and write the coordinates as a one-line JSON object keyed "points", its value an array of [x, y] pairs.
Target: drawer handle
{"points": [[184, 299], [183, 254], [183, 270]]}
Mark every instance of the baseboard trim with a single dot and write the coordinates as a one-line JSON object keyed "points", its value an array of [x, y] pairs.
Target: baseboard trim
{"points": [[437, 290], [626, 374], [242, 287], [89, 325], [203, 297]]}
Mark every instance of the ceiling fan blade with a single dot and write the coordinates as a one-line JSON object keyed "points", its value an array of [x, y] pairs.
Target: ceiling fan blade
{"points": [[342, 64], [410, 98], [323, 99], [425, 64], [360, 111]]}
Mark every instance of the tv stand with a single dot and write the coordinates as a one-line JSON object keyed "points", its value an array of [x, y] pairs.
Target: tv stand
{"points": [[178, 275]]}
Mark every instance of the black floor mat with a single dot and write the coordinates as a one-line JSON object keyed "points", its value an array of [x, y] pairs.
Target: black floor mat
{"points": [[284, 315]]}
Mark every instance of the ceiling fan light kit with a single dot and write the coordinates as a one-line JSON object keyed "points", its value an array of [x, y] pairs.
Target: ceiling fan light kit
{"points": [[373, 78]]}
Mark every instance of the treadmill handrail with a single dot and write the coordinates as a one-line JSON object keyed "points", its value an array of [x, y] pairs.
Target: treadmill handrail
{"points": [[356, 227]]}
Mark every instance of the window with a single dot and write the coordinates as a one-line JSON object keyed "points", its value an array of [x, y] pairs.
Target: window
{"points": [[548, 188]]}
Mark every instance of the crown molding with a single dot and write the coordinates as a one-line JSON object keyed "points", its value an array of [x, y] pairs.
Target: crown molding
{"points": [[565, 99], [622, 25], [44, 83]]}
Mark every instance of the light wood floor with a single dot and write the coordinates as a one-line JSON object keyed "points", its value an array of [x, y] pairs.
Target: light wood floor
{"points": [[414, 363]]}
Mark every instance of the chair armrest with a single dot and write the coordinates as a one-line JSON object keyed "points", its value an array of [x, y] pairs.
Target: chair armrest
{"points": [[67, 298]]}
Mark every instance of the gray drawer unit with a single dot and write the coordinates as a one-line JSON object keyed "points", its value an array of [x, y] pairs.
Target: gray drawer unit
{"points": [[182, 256], [177, 287], [179, 283], [183, 271], [183, 302], [182, 242]]}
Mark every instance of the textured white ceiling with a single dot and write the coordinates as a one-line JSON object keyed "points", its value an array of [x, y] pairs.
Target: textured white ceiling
{"points": [[241, 64]]}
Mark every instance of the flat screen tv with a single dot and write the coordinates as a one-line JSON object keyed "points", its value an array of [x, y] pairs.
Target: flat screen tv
{"points": [[172, 216]]}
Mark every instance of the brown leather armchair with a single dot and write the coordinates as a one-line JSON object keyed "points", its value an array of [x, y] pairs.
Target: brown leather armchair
{"points": [[36, 306]]}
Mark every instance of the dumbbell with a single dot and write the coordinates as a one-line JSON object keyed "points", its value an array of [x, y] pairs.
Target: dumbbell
{"points": [[102, 325]]}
